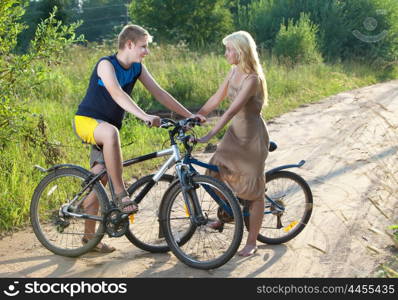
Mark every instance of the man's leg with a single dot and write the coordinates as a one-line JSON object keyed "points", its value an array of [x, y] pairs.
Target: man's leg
{"points": [[91, 204], [107, 136]]}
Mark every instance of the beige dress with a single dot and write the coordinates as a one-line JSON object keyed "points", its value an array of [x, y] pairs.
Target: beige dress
{"points": [[242, 151]]}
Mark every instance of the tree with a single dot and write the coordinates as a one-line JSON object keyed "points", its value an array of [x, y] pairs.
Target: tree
{"points": [[198, 22], [102, 19], [39, 10]]}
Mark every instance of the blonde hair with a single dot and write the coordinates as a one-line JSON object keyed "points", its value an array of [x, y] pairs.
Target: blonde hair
{"points": [[132, 33], [248, 58]]}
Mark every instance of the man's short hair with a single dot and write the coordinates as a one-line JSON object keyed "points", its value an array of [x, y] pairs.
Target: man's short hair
{"points": [[132, 33]]}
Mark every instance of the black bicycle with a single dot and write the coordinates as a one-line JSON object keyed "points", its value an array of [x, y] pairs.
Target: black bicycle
{"points": [[59, 217]]}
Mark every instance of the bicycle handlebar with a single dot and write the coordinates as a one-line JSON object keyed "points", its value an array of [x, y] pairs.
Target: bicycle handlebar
{"points": [[182, 124], [186, 124]]}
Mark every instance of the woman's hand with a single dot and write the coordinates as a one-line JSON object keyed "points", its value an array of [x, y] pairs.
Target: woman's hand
{"points": [[204, 139], [201, 118]]}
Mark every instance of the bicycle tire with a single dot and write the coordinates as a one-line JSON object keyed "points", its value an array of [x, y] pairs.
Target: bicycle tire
{"points": [[52, 192], [144, 230], [278, 185], [189, 252]]}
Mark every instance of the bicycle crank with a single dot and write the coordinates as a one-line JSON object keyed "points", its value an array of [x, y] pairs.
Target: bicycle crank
{"points": [[116, 223]]}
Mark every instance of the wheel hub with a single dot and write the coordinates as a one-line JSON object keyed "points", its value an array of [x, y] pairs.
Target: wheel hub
{"points": [[275, 210]]}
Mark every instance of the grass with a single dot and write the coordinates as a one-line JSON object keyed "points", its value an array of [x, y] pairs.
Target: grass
{"points": [[191, 77]]}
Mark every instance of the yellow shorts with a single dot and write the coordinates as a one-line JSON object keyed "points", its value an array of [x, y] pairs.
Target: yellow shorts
{"points": [[84, 128]]}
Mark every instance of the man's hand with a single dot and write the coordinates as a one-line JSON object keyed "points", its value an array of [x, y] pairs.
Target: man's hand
{"points": [[152, 120]]}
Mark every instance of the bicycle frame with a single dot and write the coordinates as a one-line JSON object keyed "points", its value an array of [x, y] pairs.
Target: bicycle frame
{"points": [[174, 154]]}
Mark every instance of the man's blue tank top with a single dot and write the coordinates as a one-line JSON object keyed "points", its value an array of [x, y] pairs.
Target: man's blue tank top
{"points": [[98, 103]]}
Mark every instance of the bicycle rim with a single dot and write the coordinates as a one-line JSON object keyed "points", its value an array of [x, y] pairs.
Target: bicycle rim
{"points": [[207, 248], [63, 234]]}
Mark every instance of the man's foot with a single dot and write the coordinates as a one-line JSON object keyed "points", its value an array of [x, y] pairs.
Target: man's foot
{"points": [[101, 247], [125, 204], [128, 206], [248, 250]]}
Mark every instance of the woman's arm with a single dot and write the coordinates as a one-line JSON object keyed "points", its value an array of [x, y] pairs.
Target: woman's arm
{"points": [[161, 95], [248, 89], [107, 74], [215, 100]]}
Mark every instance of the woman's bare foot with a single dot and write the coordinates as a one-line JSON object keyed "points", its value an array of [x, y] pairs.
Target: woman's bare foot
{"points": [[248, 250]]}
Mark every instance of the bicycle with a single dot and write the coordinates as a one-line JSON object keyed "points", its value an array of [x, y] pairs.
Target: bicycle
{"points": [[283, 189], [57, 208]]}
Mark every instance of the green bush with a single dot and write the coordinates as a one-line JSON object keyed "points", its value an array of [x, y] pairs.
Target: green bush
{"points": [[23, 134], [297, 43], [22, 75]]}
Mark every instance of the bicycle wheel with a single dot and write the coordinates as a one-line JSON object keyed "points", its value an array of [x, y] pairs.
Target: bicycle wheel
{"points": [[144, 229], [207, 248], [292, 193], [61, 234]]}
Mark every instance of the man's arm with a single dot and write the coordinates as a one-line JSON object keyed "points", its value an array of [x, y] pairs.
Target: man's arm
{"points": [[161, 95], [107, 74]]}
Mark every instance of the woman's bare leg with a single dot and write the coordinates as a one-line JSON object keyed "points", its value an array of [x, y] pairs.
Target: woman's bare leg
{"points": [[255, 220]]}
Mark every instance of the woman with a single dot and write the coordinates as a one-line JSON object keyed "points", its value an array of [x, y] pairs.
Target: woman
{"points": [[242, 151]]}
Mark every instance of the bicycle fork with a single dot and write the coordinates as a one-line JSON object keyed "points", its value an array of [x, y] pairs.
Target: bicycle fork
{"points": [[191, 200]]}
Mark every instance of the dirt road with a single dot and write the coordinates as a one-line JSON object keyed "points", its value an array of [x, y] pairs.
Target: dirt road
{"points": [[349, 142]]}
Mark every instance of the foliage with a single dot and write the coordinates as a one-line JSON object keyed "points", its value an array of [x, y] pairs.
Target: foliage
{"points": [[297, 43], [21, 78], [197, 22], [339, 23], [373, 30], [22, 75], [102, 19]]}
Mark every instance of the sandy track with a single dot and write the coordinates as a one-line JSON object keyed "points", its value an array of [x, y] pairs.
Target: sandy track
{"points": [[350, 143]]}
